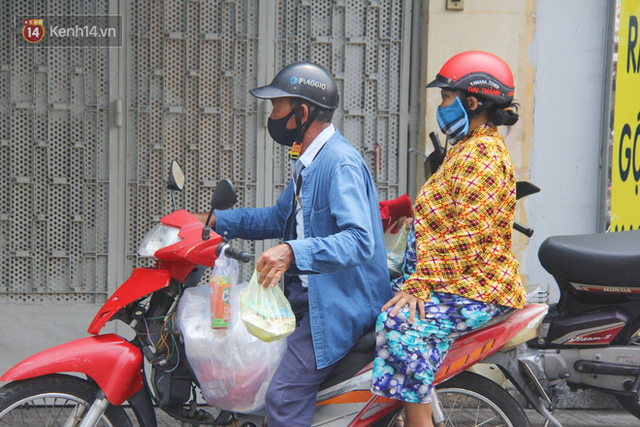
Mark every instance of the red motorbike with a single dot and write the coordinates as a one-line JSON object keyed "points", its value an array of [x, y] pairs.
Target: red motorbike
{"points": [[102, 380]]}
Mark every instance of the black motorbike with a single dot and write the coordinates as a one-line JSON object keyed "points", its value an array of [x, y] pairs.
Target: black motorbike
{"points": [[591, 338]]}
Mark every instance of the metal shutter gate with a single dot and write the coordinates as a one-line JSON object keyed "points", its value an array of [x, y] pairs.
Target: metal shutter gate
{"points": [[54, 154], [67, 217], [191, 65], [365, 44]]}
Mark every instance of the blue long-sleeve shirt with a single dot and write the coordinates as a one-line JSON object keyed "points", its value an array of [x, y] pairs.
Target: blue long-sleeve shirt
{"points": [[344, 245]]}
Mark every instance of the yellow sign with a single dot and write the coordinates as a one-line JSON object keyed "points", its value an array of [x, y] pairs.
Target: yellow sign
{"points": [[625, 165]]}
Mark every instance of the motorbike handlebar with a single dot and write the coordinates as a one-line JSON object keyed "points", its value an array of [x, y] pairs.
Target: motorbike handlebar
{"points": [[233, 253], [524, 230]]}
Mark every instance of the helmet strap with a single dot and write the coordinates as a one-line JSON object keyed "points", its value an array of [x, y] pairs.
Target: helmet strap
{"points": [[482, 104], [296, 149]]}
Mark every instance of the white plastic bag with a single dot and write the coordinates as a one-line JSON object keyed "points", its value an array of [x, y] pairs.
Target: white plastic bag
{"points": [[266, 313], [233, 367], [395, 241]]}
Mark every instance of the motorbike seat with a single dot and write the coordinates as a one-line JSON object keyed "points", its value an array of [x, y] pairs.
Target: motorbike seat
{"points": [[358, 357], [363, 352], [610, 259]]}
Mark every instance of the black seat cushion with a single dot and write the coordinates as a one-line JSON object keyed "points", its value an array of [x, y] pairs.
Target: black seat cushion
{"points": [[360, 356], [610, 259]]}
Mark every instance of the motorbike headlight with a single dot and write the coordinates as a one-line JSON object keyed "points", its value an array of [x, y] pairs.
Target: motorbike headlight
{"points": [[158, 237]]}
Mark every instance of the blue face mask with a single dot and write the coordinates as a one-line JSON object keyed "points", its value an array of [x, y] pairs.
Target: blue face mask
{"points": [[453, 121]]}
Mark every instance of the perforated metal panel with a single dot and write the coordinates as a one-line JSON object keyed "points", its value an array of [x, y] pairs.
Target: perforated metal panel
{"points": [[54, 146], [362, 43], [192, 65], [188, 68]]}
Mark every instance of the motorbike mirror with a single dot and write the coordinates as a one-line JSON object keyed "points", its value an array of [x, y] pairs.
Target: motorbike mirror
{"points": [[176, 176], [525, 188], [224, 196], [433, 161]]}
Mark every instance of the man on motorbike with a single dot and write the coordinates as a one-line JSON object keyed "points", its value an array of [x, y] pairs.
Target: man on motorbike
{"points": [[333, 256]]}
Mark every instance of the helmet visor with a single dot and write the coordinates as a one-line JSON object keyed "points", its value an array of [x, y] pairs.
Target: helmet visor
{"points": [[441, 82], [269, 92]]}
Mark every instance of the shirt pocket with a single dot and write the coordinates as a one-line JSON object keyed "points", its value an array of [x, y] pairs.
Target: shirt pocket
{"points": [[322, 223]]}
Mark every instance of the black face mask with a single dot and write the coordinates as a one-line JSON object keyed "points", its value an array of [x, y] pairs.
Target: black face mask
{"points": [[279, 132]]}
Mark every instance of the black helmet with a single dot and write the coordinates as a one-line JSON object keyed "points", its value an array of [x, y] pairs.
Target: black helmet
{"points": [[302, 80]]}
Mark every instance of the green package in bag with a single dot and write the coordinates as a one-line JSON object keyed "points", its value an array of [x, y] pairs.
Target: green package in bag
{"points": [[266, 313]]}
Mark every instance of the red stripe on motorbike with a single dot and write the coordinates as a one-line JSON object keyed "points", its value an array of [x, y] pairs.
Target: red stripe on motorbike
{"points": [[488, 346], [466, 360], [604, 336], [377, 408], [355, 396], [608, 289], [463, 352]]}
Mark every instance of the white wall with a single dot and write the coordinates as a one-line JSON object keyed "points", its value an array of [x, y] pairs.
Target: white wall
{"points": [[569, 56]]}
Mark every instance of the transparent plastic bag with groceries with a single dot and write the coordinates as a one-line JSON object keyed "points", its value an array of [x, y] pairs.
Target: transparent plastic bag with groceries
{"points": [[233, 366]]}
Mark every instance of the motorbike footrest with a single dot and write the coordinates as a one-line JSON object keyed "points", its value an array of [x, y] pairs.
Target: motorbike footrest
{"points": [[604, 368]]}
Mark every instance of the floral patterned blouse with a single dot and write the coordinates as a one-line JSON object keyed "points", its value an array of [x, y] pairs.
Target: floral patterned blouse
{"points": [[463, 223]]}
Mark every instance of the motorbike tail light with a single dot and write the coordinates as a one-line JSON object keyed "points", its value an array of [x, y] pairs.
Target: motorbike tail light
{"points": [[158, 237], [529, 332]]}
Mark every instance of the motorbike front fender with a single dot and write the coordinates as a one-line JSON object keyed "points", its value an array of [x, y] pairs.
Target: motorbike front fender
{"points": [[113, 363], [142, 282]]}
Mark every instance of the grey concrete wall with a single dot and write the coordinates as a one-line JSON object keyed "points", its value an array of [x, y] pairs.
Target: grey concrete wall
{"points": [[28, 329], [568, 54]]}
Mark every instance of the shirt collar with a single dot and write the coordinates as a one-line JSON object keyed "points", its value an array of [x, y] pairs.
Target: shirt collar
{"points": [[310, 153]]}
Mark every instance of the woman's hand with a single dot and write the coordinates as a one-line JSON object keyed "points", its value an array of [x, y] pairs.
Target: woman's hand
{"points": [[401, 299], [407, 221]]}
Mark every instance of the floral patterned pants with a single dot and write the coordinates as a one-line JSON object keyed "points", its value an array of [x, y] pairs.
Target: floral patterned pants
{"points": [[409, 355]]}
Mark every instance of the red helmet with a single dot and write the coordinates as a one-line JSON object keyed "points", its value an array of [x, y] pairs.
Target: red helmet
{"points": [[480, 74]]}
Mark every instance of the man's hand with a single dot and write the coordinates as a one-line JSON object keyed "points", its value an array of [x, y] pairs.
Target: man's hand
{"points": [[401, 299], [202, 217], [273, 263]]}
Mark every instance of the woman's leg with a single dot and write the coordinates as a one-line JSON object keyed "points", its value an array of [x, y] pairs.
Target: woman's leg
{"points": [[417, 415], [409, 355]]}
